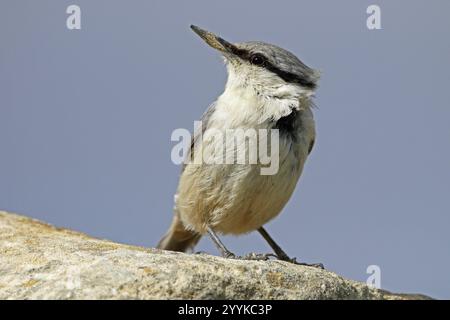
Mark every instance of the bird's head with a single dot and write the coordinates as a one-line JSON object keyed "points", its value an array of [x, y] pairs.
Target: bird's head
{"points": [[269, 70]]}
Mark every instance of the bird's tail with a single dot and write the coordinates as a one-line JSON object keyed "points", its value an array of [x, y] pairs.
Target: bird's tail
{"points": [[178, 238]]}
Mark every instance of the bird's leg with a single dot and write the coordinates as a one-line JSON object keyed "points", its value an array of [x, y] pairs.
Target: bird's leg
{"points": [[228, 254], [281, 254], [276, 248], [219, 244]]}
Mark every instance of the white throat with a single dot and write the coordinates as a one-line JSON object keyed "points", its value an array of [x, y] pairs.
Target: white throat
{"points": [[256, 100]]}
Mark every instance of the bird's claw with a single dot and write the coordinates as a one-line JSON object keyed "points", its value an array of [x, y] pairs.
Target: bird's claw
{"points": [[314, 265], [267, 256], [294, 261], [251, 256]]}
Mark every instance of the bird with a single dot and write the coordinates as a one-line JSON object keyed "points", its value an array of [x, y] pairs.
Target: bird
{"points": [[267, 88]]}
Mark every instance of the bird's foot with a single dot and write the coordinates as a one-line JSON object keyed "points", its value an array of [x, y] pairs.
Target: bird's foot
{"points": [[314, 265], [267, 256], [251, 256], [294, 261]]}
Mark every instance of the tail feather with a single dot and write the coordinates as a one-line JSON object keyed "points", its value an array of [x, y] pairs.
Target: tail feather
{"points": [[178, 238]]}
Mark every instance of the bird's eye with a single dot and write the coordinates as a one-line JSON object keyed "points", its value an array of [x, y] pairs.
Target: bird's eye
{"points": [[257, 59]]}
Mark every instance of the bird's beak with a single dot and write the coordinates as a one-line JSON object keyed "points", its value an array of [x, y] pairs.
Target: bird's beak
{"points": [[215, 41]]}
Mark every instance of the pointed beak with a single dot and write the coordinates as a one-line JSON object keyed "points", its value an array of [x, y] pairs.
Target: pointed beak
{"points": [[215, 41]]}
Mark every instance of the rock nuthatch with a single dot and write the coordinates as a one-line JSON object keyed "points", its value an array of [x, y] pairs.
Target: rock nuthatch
{"points": [[267, 88]]}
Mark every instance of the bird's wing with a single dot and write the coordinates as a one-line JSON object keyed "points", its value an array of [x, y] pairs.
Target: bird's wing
{"points": [[204, 119]]}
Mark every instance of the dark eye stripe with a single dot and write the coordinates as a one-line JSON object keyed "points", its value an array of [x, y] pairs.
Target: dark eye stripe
{"points": [[286, 76], [290, 77]]}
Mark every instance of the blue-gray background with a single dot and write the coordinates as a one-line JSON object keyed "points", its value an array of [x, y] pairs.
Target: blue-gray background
{"points": [[86, 118]]}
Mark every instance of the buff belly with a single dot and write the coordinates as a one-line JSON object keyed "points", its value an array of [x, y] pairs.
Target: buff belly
{"points": [[236, 199]]}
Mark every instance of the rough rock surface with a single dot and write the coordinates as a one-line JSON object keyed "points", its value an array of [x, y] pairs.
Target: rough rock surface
{"points": [[39, 261]]}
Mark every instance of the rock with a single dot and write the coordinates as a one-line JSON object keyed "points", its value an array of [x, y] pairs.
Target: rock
{"points": [[39, 261]]}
